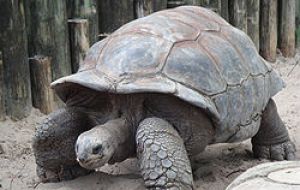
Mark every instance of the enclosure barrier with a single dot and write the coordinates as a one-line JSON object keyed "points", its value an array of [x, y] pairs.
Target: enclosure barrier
{"points": [[56, 34]]}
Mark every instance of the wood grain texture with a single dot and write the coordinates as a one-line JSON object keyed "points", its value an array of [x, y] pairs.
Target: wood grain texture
{"points": [[286, 27], [85, 9], [13, 45], [146, 7], [48, 33], [238, 14], [268, 29], [79, 41], [2, 90], [42, 94], [113, 14], [253, 21], [298, 23]]}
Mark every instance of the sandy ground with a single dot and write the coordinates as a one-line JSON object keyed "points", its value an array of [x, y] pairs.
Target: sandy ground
{"points": [[217, 166]]}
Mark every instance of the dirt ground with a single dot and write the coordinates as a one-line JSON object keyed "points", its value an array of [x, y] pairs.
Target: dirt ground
{"points": [[217, 166]]}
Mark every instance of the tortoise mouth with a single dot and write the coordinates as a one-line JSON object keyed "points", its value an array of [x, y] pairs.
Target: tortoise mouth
{"points": [[92, 163]]}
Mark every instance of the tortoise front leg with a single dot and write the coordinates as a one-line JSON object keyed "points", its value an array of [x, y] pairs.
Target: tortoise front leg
{"points": [[162, 156], [272, 140], [54, 145]]}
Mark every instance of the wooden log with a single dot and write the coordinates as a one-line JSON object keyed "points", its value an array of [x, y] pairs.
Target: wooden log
{"points": [[175, 3], [159, 4], [114, 13], [224, 9], [286, 25], [79, 41], [194, 2], [238, 14], [139, 8], [268, 29], [253, 21], [85, 9], [214, 5], [40, 74], [13, 45], [298, 23], [48, 33], [146, 7], [2, 90]]}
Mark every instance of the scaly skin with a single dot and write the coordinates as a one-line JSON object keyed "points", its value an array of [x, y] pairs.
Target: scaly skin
{"points": [[168, 133], [272, 140], [162, 156], [54, 142]]}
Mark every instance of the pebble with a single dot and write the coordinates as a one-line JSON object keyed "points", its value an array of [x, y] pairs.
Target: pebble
{"points": [[1, 149]]}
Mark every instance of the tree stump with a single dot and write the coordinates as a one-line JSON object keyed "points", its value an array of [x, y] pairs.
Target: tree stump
{"points": [[13, 45], [286, 22], [85, 9], [79, 41], [253, 21], [42, 94], [268, 29]]}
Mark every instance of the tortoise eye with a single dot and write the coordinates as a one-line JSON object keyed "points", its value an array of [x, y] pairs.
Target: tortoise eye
{"points": [[97, 149]]}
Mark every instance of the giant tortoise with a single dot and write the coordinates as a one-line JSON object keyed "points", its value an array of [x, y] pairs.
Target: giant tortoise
{"points": [[162, 88]]}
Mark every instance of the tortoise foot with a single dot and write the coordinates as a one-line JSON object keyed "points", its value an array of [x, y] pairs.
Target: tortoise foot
{"points": [[61, 174], [281, 151]]}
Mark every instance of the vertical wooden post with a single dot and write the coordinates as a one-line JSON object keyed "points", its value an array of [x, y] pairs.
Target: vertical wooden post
{"points": [[2, 90], [79, 41], [286, 36], [224, 9], [159, 4], [48, 33], [86, 9], [13, 45], [193, 2], [214, 5], [42, 94], [238, 14], [253, 21], [298, 23], [139, 6], [175, 3], [268, 29], [146, 7], [113, 14]]}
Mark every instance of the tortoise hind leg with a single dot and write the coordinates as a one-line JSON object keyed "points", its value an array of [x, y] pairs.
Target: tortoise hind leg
{"points": [[272, 140], [163, 160], [54, 142]]}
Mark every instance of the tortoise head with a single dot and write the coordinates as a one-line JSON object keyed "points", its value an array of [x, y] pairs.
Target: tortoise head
{"points": [[94, 148]]}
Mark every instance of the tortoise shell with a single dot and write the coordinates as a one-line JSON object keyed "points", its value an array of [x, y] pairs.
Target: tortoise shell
{"points": [[189, 52]]}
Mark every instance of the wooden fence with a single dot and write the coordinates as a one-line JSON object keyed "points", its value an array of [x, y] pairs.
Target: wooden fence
{"points": [[43, 40]]}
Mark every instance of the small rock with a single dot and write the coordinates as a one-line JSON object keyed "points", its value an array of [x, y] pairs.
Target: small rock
{"points": [[1, 149]]}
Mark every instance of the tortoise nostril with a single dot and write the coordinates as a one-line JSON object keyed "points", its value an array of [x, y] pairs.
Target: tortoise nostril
{"points": [[76, 148], [97, 149], [82, 158]]}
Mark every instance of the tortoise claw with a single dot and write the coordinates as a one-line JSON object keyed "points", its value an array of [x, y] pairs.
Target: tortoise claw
{"points": [[282, 151]]}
